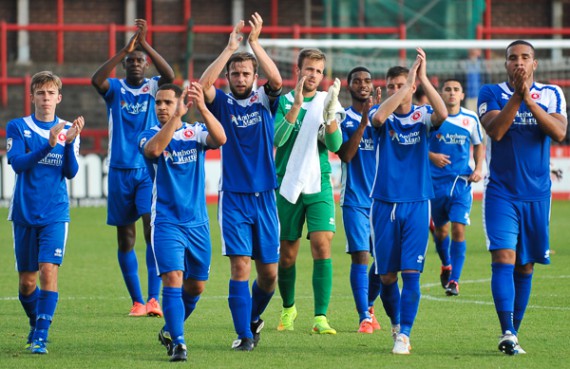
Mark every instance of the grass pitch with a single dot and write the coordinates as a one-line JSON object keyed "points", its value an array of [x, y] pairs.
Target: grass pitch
{"points": [[91, 328]]}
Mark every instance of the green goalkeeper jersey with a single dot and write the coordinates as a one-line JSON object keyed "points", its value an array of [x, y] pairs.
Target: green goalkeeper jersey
{"points": [[286, 134]]}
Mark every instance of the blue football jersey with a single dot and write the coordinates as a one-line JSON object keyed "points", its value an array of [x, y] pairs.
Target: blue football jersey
{"points": [[40, 194], [358, 175], [178, 179], [518, 164], [247, 155], [454, 138], [402, 172], [130, 110]]}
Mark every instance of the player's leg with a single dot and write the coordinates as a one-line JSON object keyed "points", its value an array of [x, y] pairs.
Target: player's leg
{"points": [[168, 243], [27, 266], [374, 288], [52, 239], [415, 232], [357, 229], [266, 255], [457, 253], [122, 213], [459, 211], [239, 300], [501, 225], [440, 219], [143, 196], [291, 220], [385, 238]]}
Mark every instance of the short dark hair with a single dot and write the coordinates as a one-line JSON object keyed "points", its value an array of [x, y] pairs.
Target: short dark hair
{"points": [[312, 54], [172, 87], [241, 57], [397, 71], [356, 70], [518, 42], [452, 80]]}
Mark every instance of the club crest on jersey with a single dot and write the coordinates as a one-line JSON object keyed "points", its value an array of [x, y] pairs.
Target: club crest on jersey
{"points": [[145, 88], [61, 137], [253, 99], [535, 95], [188, 133], [417, 115], [465, 122]]}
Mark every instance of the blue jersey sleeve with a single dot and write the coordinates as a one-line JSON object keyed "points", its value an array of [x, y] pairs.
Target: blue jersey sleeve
{"points": [[16, 147], [70, 165]]}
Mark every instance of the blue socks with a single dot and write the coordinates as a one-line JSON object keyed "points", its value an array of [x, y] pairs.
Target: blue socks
{"points": [[189, 303], [457, 254], [30, 305], [374, 285], [239, 301], [442, 248], [359, 284], [154, 280], [390, 295], [130, 269], [410, 301], [523, 284], [259, 301], [173, 309], [503, 290], [47, 303]]}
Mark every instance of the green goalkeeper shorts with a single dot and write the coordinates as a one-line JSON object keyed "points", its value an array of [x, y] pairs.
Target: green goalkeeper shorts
{"points": [[318, 208]]}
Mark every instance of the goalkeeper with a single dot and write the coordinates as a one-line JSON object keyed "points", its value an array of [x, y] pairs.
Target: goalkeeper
{"points": [[307, 126]]}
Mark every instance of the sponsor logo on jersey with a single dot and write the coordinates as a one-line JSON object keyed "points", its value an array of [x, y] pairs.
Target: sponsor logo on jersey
{"points": [[246, 120], [134, 108], [181, 156], [452, 138], [52, 159], [366, 144], [525, 118], [411, 138]]}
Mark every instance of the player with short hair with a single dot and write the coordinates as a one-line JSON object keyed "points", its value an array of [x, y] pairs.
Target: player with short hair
{"points": [[400, 208], [175, 154], [521, 118], [43, 150], [452, 177], [247, 213], [130, 110], [307, 127], [358, 169]]}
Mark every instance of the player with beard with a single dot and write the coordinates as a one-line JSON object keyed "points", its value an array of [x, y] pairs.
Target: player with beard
{"points": [[247, 212], [358, 168]]}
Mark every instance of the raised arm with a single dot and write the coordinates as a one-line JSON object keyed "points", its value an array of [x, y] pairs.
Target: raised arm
{"points": [[284, 124], [164, 69], [99, 78], [213, 71], [216, 133], [265, 63], [391, 104], [349, 148], [434, 98]]}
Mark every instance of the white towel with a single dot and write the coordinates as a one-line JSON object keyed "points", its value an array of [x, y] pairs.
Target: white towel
{"points": [[303, 173]]}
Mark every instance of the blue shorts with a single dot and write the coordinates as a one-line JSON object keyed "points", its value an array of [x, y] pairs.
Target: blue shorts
{"points": [[521, 226], [129, 195], [400, 235], [452, 202], [357, 228], [178, 247], [249, 225], [34, 245]]}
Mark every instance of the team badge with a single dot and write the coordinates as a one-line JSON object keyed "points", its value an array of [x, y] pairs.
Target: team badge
{"points": [[465, 122], [61, 137], [188, 133], [417, 115], [535, 95]]}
